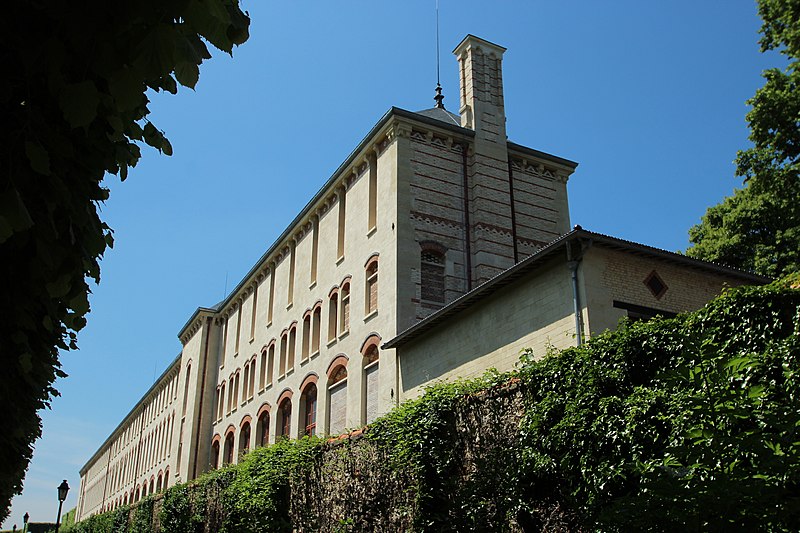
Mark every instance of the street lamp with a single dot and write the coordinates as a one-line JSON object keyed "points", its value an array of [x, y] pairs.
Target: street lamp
{"points": [[25, 523], [63, 489]]}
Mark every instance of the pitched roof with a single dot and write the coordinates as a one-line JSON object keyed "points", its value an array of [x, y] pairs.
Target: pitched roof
{"points": [[532, 262]]}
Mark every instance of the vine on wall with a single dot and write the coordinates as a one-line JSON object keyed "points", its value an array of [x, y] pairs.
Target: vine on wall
{"points": [[688, 423]]}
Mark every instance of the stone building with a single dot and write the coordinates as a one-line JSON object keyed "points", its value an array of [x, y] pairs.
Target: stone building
{"points": [[417, 239]]}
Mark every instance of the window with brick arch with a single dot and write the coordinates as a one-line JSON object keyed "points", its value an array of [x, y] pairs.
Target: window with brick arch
{"points": [[263, 429], [316, 325], [304, 351], [310, 410], [370, 381], [285, 420], [372, 287], [344, 323], [333, 312], [337, 400], [229, 448], [282, 365], [244, 440], [432, 263]]}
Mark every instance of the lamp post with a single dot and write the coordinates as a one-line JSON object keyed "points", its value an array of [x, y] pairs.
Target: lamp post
{"points": [[63, 489], [25, 518]]}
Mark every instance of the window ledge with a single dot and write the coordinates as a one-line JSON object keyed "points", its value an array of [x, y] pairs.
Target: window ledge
{"points": [[289, 372], [304, 362], [371, 315], [331, 342], [289, 305], [252, 339], [312, 285], [344, 334], [269, 323], [372, 231], [313, 355], [340, 261]]}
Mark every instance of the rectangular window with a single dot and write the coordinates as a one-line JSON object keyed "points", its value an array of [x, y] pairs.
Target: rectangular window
{"points": [[290, 297], [342, 214], [314, 248], [253, 312], [373, 193], [238, 328], [271, 294]]}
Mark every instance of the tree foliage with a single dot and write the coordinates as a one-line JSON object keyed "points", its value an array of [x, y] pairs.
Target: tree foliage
{"points": [[758, 228], [74, 107]]}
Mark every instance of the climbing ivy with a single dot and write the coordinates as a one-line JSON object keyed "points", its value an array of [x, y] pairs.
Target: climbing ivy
{"points": [[683, 424]]}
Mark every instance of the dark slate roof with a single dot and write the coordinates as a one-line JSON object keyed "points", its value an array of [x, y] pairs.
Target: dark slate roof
{"points": [[442, 114], [531, 263]]}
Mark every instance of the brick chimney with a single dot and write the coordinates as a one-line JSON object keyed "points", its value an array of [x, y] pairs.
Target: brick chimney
{"points": [[482, 110]]}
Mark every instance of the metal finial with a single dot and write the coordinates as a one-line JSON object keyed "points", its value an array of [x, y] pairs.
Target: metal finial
{"points": [[439, 96]]}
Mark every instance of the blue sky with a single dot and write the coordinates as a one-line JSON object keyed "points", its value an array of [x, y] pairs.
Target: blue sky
{"points": [[649, 98]]}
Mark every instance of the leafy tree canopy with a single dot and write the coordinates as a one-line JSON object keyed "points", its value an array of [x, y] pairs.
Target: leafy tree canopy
{"points": [[758, 228], [74, 108]]}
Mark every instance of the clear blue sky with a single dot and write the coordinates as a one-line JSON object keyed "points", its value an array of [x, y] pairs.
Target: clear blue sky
{"points": [[649, 98]]}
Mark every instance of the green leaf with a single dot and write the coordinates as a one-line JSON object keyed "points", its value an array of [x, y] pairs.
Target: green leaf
{"points": [[127, 88], [14, 211], [38, 156], [187, 74], [78, 102]]}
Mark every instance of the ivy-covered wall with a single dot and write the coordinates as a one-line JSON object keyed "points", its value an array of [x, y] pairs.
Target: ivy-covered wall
{"points": [[682, 424]]}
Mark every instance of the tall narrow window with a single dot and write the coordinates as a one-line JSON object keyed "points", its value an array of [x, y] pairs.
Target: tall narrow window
{"points": [[252, 391], [253, 311], [246, 381], [290, 296], [337, 400], [370, 380], [310, 410], [285, 409], [333, 312], [432, 263], [314, 248], [215, 454], [344, 323], [236, 389], [229, 448], [271, 363], [316, 324], [271, 294], [342, 216], [263, 428], [230, 394], [306, 337], [262, 374], [224, 343], [372, 218], [244, 440], [186, 388], [238, 328], [292, 347], [282, 363], [372, 286]]}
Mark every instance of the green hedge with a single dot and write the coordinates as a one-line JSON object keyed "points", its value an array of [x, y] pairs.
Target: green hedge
{"points": [[688, 423]]}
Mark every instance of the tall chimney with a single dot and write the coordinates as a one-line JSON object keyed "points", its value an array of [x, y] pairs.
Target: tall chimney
{"points": [[491, 231]]}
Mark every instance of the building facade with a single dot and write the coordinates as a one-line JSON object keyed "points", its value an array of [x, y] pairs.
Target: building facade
{"points": [[430, 208]]}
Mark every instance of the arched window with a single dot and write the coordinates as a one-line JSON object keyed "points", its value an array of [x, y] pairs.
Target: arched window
{"points": [[252, 390], [215, 454], [344, 322], [432, 280], [230, 394], [371, 296], [262, 375], [166, 478], [337, 399], [262, 428], [370, 381], [229, 447], [292, 347], [221, 409], [152, 486], [285, 414], [246, 381], [159, 483], [316, 324], [236, 389], [309, 401], [333, 313], [271, 363], [244, 440], [186, 387], [306, 343], [284, 346]]}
